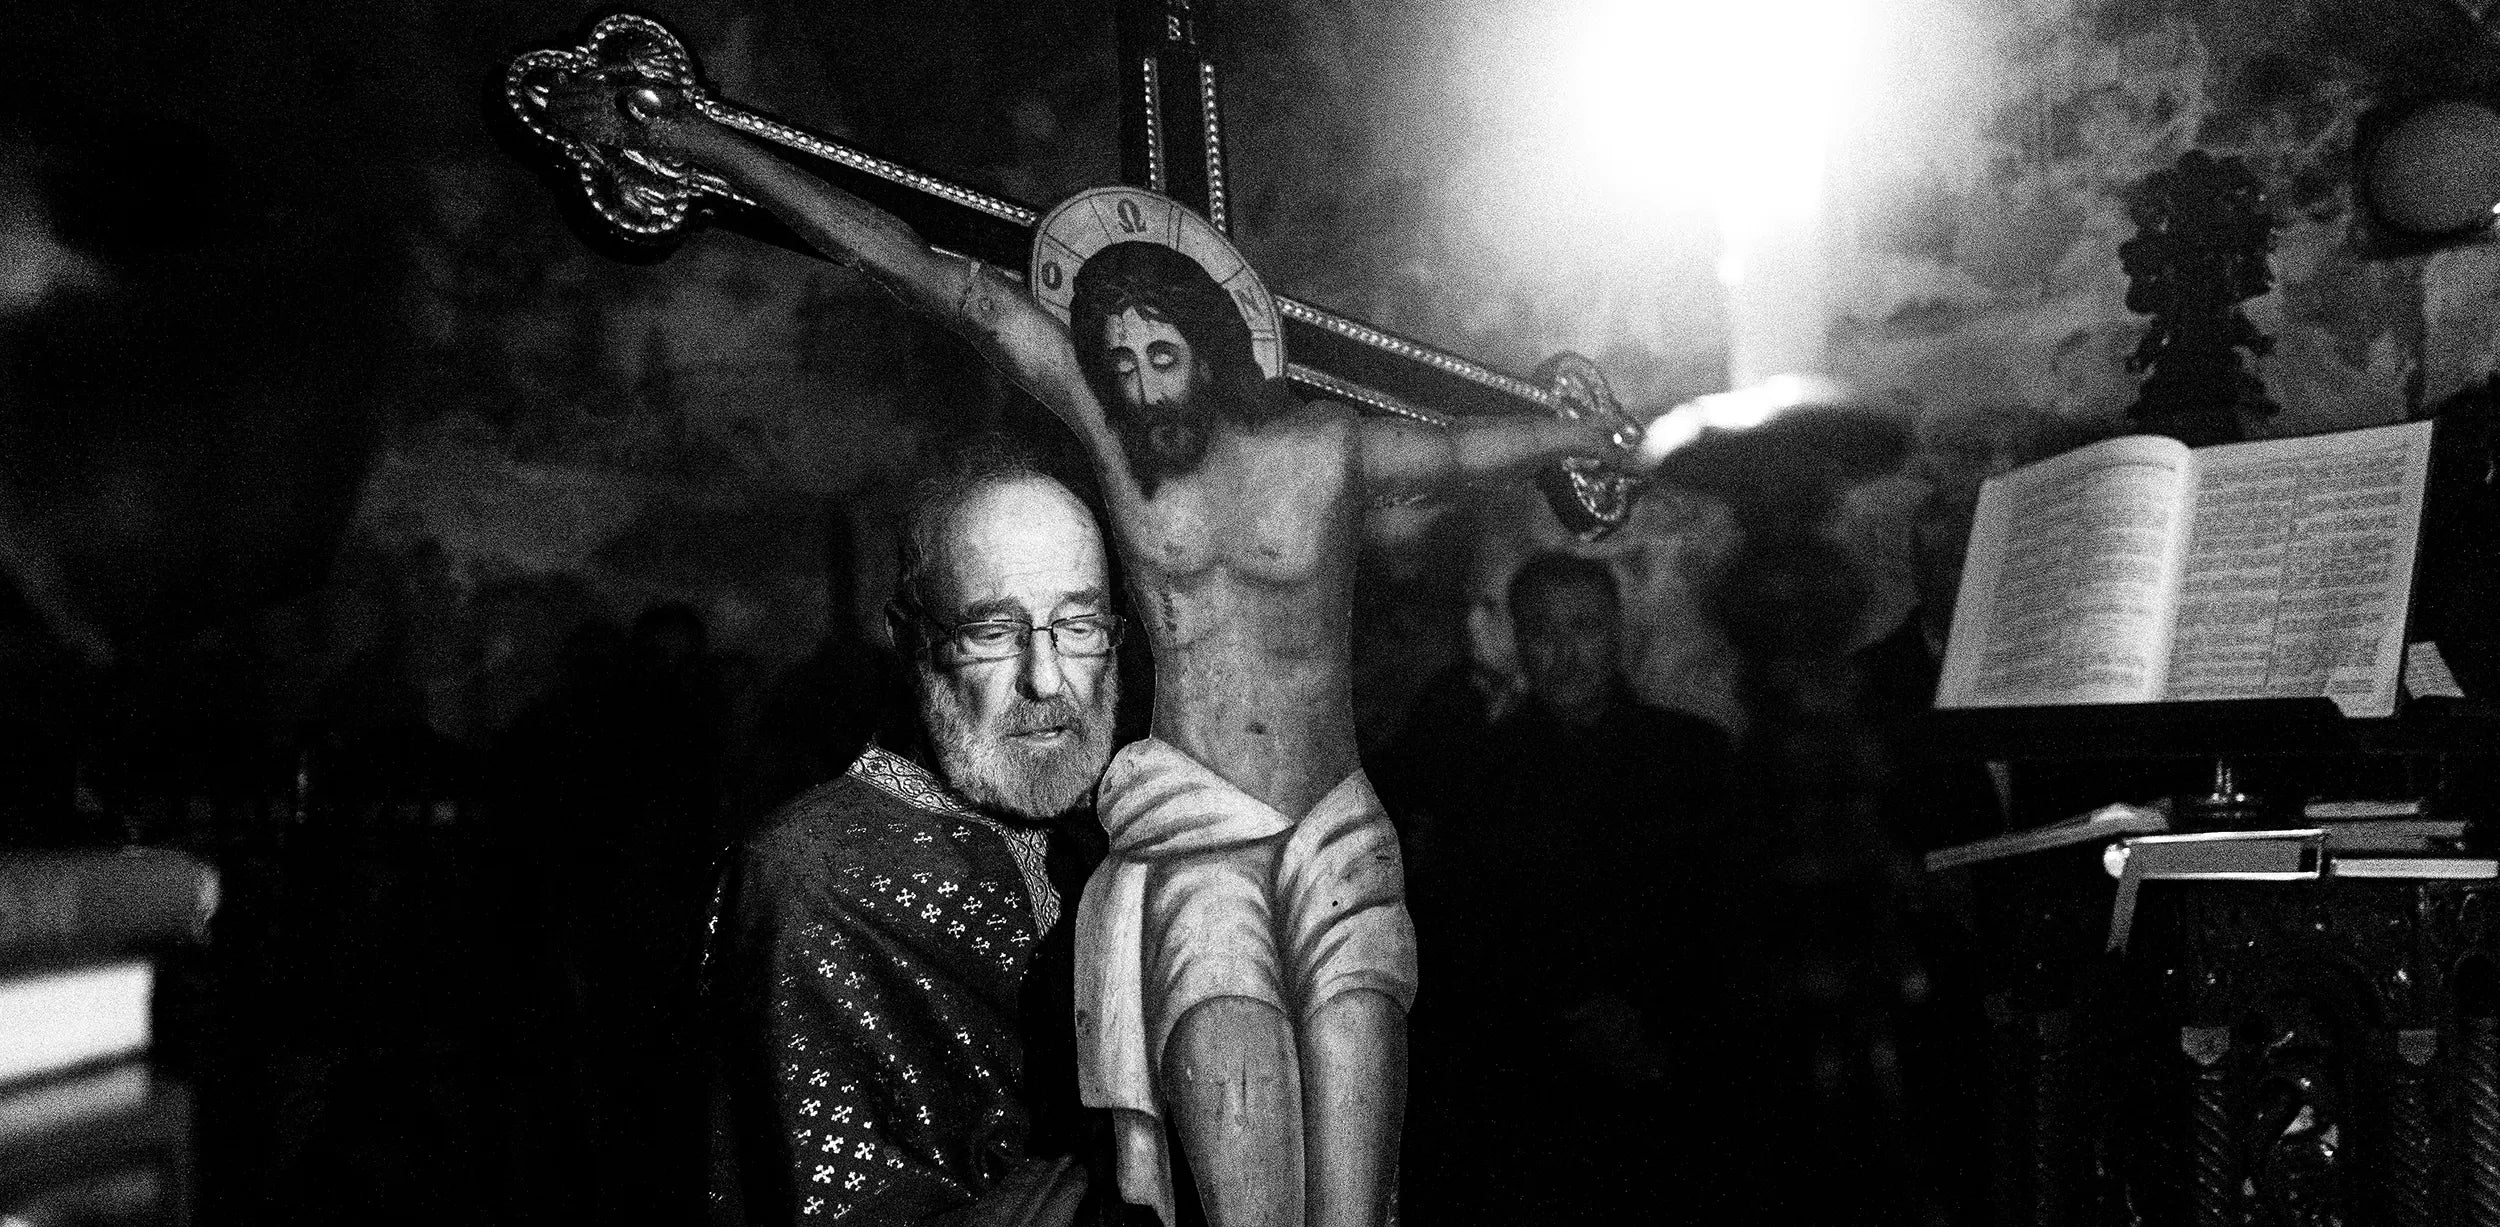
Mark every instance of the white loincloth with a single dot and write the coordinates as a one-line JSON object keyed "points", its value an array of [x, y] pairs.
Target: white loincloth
{"points": [[1184, 904]]}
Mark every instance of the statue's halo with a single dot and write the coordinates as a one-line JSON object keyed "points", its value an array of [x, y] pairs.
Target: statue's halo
{"points": [[1098, 217]]}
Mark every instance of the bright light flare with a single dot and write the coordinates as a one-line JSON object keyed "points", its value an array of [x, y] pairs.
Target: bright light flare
{"points": [[1742, 409], [1726, 105]]}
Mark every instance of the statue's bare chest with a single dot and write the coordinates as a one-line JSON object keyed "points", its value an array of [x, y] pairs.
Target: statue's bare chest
{"points": [[1263, 507]]}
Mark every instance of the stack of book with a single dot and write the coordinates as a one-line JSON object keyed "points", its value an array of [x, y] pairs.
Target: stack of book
{"points": [[2344, 839], [2362, 839], [2395, 839], [89, 1133]]}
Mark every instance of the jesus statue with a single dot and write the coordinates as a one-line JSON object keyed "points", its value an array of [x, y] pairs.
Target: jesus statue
{"points": [[1245, 959]]}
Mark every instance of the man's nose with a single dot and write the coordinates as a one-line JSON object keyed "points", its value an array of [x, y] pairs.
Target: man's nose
{"points": [[1040, 674]]}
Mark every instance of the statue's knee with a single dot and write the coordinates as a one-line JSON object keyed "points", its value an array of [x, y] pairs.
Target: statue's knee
{"points": [[1362, 1002], [1230, 1032], [1356, 1017], [1236, 1053], [1228, 1019], [1354, 1000]]}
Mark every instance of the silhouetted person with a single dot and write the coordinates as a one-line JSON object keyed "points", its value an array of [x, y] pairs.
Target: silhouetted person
{"points": [[1429, 772], [612, 785], [818, 713], [1813, 963], [1555, 907]]}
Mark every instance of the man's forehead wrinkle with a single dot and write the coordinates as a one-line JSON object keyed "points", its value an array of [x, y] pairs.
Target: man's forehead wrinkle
{"points": [[1021, 545], [993, 607], [1034, 605], [1037, 582], [1034, 508]]}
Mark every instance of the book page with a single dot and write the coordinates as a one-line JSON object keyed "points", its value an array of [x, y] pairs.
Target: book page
{"points": [[2067, 582], [2427, 675], [2300, 568]]}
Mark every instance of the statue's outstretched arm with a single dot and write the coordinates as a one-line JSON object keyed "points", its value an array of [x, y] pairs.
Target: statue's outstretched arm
{"points": [[1401, 457], [975, 301]]}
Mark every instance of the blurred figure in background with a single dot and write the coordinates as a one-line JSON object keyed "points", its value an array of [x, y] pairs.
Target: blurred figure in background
{"points": [[1817, 970], [818, 713], [1429, 771], [616, 777], [1557, 908]]}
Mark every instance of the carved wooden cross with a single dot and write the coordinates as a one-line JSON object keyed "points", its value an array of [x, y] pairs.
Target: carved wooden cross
{"points": [[1172, 142]]}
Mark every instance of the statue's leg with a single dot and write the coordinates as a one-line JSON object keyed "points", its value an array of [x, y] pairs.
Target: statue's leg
{"points": [[1230, 1069], [1233, 1085], [1353, 1106], [1350, 954]]}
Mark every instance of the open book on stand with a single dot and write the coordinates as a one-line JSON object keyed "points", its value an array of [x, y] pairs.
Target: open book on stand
{"points": [[2139, 570]]}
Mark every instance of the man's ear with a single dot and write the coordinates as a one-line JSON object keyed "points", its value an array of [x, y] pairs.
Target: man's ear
{"points": [[902, 631]]}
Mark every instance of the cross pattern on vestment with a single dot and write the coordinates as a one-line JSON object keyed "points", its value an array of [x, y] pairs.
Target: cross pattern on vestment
{"points": [[1172, 142]]}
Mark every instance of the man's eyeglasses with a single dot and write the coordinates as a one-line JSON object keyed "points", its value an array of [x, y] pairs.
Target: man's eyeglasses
{"points": [[1083, 635]]}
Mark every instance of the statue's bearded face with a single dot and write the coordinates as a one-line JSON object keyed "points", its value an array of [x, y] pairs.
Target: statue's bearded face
{"points": [[1160, 382]]}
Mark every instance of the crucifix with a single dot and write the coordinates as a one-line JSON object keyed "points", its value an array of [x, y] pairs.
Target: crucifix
{"points": [[1244, 956], [1172, 142]]}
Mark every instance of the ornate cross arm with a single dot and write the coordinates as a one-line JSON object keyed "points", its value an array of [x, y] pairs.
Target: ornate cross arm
{"points": [[652, 204]]}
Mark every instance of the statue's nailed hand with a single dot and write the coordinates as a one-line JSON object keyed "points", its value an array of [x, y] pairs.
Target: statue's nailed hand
{"points": [[613, 110], [625, 111], [1591, 496]]}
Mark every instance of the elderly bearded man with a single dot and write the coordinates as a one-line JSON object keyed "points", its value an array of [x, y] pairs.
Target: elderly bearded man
{"points": [[893, 1009]]}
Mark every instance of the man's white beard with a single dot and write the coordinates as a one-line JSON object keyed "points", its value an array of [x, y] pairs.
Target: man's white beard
{"points": [[981, 761]]}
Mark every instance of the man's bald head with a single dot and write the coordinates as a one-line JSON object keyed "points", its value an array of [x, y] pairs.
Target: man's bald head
{"points": [[972, 503], [1009, 540]]}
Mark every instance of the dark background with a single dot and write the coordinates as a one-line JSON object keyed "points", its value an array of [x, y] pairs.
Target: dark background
{"points": [[328, 454]]}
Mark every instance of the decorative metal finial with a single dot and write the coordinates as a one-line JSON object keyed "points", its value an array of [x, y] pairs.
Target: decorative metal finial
{"points": [[1592, 498], [645, 199]]}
